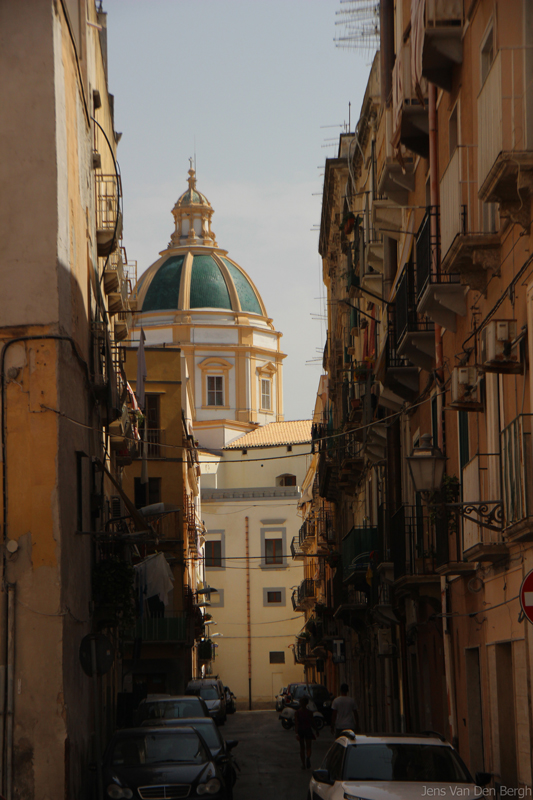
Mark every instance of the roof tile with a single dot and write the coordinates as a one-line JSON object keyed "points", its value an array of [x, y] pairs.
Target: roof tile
{"points": [[275, 433]]}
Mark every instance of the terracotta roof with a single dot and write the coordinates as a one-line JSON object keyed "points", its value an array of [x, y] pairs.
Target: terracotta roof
{"points": [[296, 431]]}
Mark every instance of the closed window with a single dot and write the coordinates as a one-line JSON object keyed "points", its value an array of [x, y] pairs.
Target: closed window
{"points": [[266, 402], [215, 390], [274, 597], [213, 554], [273, 551], [277, 657]]}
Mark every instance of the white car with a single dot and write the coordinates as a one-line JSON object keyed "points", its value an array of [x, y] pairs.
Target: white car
{"points": [[395, 767]]}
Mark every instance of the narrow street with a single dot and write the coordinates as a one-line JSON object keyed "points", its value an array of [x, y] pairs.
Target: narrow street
{"points": [[269, 757]]}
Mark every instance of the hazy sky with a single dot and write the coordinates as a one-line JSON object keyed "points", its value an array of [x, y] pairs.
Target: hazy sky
{"points": [[254, 88]]}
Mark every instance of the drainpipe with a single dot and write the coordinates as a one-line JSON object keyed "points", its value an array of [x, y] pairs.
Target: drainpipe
{"points": [[248, 617], [10, 688], [435, 203], [403, 726], [439, 362], [3, 654], [448, 661]]}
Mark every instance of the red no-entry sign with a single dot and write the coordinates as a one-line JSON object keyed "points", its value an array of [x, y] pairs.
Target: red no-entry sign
{"points": [[526, 596]]}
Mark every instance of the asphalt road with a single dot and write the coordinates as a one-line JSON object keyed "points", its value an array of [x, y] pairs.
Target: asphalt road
{"points": [[269, 757]]}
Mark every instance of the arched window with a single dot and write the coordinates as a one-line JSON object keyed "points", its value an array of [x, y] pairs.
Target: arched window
{"points": [[286, 480]]}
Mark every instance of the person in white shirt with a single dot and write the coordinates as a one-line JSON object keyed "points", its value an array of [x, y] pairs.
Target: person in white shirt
{"points": [[345, 715]]}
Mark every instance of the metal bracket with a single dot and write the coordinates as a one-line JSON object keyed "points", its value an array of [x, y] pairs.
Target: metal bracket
{"points": [[489, 513]]}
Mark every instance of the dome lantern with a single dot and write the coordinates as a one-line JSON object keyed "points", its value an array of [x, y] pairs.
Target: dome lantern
{"points": [[192, 217]]}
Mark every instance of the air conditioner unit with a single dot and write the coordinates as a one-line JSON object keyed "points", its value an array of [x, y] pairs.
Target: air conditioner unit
{"points": [[116, 507], [499, 352], [466, 389]]}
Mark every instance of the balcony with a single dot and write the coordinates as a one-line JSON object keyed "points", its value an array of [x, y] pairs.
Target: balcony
{"points": [[517, 478], [505, 130], [415, 336], [325, 530], [122, 325], [396, 179], [174, 628], [465, 249], [297, 552], [441, 296], [481, 484], [437, 28], [304, 596], [306, 535], [108, 215], [356, 547], [413, 547], [396, 373], [117, 300], [387, 218], [351, 461], [409, 117], [301, 651]]}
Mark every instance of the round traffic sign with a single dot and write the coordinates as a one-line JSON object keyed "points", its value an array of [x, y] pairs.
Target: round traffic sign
{"points": [[526, 596]]}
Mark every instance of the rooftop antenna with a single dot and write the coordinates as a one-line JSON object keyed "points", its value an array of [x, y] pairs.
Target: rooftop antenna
{"points": [[360, 19]]}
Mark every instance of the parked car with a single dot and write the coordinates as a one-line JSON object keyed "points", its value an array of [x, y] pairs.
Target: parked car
{"points": [[316, 692], [211, 690], [231, 701], [280, 698], [396, 766], [152, 762], [220, 748], [179, 707]]}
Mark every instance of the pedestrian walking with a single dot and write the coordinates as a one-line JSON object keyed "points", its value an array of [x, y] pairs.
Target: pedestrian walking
{"points": [[345, 715], [305, 726]]}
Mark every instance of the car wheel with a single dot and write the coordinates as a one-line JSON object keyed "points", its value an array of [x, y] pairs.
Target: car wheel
{"points": [[286, 724]]}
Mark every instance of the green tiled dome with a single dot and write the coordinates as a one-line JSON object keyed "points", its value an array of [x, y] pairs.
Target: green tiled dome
{"points": [[247, 296], [164, 291], [208, 287]]}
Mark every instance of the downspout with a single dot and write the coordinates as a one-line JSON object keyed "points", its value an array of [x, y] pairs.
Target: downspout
{"points": [[448, 661], [10, 688], [3, 654], [439, 362], [248, 617], [435, 255]]}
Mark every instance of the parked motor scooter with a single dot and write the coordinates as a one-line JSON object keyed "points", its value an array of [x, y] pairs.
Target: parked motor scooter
{"points": [[289, 712]]}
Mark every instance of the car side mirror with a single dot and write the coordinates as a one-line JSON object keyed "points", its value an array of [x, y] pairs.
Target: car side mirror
{"points": [[231, 743], [482, 778], [323, 776]]}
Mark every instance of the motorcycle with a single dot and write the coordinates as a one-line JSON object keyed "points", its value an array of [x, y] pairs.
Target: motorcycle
{"points": [[289, 712]]}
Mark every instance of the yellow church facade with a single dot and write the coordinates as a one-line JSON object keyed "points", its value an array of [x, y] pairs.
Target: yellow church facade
{"points": [[196, 299]]}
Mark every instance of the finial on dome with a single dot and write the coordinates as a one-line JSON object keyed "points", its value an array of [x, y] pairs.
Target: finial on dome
{"points": [[192, 176]]}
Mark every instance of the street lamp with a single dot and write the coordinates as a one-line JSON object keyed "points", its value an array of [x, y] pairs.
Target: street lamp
{"points": [[426, 465]]}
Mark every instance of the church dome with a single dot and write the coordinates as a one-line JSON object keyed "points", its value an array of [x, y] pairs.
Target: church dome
{"points": [[194, 273]]}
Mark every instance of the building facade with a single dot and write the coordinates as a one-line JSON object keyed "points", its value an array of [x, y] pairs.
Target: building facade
{"points": [[64, 309], [196, 301], [425, 239]]}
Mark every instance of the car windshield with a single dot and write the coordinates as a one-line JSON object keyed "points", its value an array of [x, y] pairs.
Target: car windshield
{"points": [[174, 709], [300, 691], [208, 693], [158, 748], [403, 762], [209, 731], [319, 693]]}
